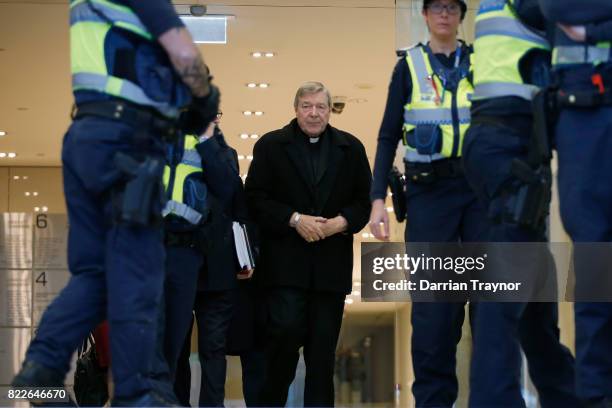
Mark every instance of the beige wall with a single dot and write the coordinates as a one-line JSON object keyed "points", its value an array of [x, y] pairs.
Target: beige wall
{"points": [[4, 190], [45, 182]]}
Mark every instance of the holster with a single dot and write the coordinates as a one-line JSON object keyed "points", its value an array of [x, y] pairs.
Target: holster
{"points": [[397, 185], [142, 198], [529, 201], [529, 205]]}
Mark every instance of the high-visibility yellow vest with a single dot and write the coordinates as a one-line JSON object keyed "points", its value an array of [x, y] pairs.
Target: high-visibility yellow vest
{"points": [[501, 41], [91, 21], [452, 114], [174, 181]]}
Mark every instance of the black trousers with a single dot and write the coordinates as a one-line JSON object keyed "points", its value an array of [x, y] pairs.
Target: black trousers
{"points": [[301, 318], [213, 313]]}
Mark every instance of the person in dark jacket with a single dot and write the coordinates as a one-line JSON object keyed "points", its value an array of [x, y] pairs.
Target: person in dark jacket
{"points": [[216, 283], [582, 71], [510, 66], [134, 68], [428, 108], [307, 190]]}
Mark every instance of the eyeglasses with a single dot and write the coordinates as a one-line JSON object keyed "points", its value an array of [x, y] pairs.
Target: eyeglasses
{"points": [[452, 9]]}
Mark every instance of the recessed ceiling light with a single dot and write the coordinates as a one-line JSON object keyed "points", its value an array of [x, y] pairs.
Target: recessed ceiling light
{"points": [[354, 293], [247, 113], [258, 113], [35, 194], [45, 208], [12, 155], [2, 155], [37, 209], [25, 177], [389, 209], [240, 157], [256, 54], [269, 54], [264, 85], [252, 85], [27, 193], [249, 157], [15, 177], [2, 133], [348, 301], [357, 284], [254, 136], [244, 136], [365, 235]]}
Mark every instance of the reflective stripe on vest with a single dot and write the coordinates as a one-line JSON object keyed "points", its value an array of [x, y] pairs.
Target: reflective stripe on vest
{"points": [[100, 11], [183, 211], [499, 89], [501, 42], [90, 23], [508, 27], [118, 87], [435, 116], [190, 163], [580, 54], [423, 110]]}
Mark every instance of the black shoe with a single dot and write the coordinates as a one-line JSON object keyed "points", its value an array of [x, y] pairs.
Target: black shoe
{"points": [[34, 375]]}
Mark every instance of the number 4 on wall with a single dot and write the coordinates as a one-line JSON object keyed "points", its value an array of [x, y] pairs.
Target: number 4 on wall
{"points": [[42, 278]]}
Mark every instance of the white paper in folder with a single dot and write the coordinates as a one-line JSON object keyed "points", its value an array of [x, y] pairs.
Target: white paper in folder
{"points": [[243, 250]]}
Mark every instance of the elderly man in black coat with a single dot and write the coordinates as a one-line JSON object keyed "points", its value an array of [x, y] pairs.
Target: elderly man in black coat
{"points": [[307, 189]]}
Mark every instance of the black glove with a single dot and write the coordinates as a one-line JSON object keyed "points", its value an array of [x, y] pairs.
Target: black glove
{"points": [[196, 118]]}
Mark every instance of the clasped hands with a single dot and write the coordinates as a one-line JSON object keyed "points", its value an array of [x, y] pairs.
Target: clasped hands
{"points": [[314, 229]]}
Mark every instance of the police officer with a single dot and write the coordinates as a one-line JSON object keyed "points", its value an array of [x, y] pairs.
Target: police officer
{"points": [[204, 260], [428, 106], [511, 58], [582, 65], [194, 173], [134, 65]]}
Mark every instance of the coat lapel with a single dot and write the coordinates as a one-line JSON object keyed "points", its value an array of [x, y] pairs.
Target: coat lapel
{"points": [[298, 154], [336, 150]]}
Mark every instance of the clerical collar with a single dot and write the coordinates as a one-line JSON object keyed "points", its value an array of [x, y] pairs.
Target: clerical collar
{"points": [[314, 139]]}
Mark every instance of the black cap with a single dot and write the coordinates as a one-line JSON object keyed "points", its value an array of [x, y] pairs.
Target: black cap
{"points": [[426, 3]]}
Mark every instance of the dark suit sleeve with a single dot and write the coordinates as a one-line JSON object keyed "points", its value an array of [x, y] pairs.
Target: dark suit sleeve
{"points": [[157, 15], [357, 212], [530, 13], [400, 92], [577, 12], [217, 172], [599, 32], [270, 214]]}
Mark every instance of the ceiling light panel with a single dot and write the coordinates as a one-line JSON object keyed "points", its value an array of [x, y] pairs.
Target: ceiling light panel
{"points": [[261, 85], [207, 29], [263, 54]]}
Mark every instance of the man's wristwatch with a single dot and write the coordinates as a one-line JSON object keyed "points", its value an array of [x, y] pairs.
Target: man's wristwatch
{"points": [[295, 220]]}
